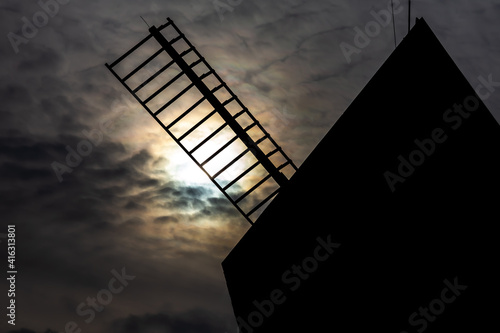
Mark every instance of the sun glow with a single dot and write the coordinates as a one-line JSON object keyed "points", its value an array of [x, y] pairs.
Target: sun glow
{"points": [[186, 170]]}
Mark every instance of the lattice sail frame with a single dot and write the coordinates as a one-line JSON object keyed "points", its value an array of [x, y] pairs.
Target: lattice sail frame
{"points": [[251, 151]]}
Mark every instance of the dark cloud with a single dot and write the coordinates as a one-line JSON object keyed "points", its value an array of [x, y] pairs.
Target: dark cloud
{"points": [[219, 205], [133, 223], [16, 171], [134, 206], [15, 94], [23, 330], [166, 219], [42, 60], [194, 321]]}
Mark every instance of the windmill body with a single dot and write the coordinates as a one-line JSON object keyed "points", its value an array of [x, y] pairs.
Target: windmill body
{"points": [[388, 225]]}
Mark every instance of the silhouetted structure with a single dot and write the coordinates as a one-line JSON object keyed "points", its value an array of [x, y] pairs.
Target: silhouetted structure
{"points": [[404, 189], [150, 74]]}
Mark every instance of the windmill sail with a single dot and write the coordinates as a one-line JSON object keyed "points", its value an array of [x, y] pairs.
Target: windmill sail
{"points": [[169, 77]]}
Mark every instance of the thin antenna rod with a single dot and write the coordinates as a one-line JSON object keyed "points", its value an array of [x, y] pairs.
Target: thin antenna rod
{"points": [[144, 21], [409, 15], [393, 23]]}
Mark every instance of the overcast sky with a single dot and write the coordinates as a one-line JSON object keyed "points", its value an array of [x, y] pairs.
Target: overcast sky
{"points": [[136, 206]]}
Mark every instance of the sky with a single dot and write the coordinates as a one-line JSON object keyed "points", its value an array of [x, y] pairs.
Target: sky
{"points": [[130, 238]]}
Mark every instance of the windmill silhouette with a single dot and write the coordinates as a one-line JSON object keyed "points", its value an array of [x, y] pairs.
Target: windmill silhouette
{"points": [[184, 61], [398, 234]]}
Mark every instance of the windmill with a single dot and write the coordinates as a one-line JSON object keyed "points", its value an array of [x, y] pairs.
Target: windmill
{"points": [[367, 251], [175, 65]]}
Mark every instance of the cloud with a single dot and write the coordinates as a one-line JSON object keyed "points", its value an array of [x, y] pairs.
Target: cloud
{"points": [[24, 330], [193, 321], [166, 219]]}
